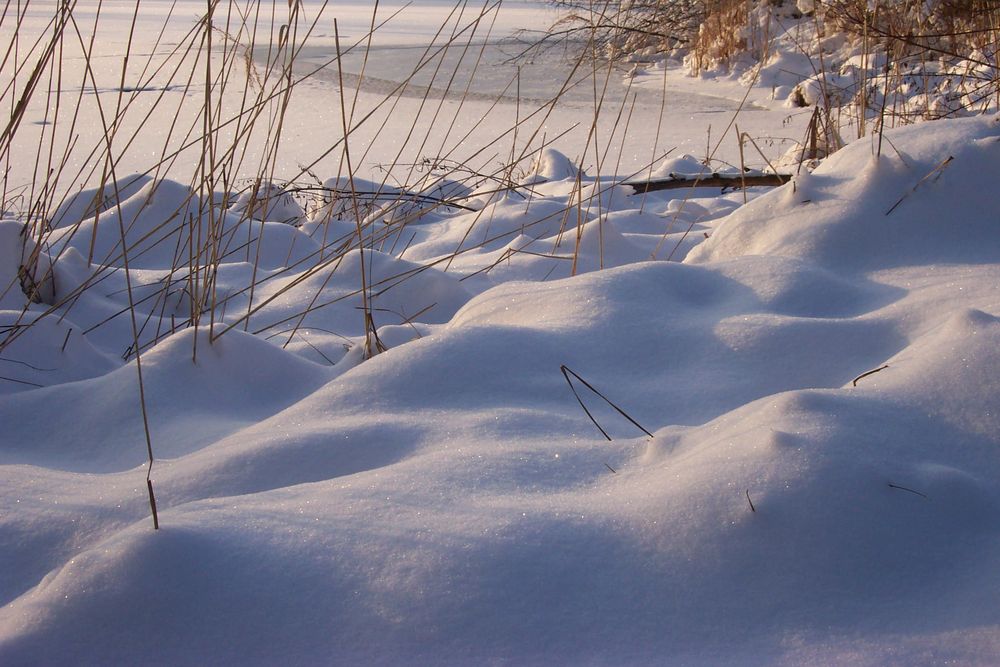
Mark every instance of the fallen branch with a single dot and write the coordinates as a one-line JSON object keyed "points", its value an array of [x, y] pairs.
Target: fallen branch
{"points": [[714, 180], [391, 196]]}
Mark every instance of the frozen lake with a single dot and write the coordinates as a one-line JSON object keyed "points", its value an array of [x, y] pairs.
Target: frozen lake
{"points": [[478, 54], [449, 78], [490, 71]]}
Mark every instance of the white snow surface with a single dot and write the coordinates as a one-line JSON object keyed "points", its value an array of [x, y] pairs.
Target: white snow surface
{"points": [[447, 501]]}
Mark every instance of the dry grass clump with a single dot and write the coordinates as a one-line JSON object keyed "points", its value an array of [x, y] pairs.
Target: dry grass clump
{"points": [[935, 58], [621, 30], [945, 27], [724, 34], [905, 28], [710, 32]]}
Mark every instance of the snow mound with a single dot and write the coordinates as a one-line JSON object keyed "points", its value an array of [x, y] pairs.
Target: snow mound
{"points": [[268, 202], [552, 165], [159, 223], [929, 200], [193, 397], [799, 463]]}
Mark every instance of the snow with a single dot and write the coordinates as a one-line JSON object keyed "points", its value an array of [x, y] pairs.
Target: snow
{"points": [[447, 500]]}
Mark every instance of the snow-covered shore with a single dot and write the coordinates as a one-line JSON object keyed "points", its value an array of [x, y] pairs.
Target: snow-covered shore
{"points": [[448, 501]]}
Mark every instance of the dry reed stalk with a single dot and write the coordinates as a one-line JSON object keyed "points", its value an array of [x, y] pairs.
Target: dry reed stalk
{"points": [[567, 372], [109, 135], [368, 325]]}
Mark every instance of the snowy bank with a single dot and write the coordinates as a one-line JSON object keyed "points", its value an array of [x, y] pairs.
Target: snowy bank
{"points": [[448, 502]]}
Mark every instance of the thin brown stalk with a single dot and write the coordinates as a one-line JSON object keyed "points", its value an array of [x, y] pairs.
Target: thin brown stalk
{"points": [[354, 201]]}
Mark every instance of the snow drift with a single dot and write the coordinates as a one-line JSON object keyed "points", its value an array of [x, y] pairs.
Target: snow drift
{"points": [[448, 502]]}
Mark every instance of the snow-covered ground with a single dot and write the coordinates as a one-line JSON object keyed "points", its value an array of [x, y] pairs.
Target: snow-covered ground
{"points": [[760, 498]]}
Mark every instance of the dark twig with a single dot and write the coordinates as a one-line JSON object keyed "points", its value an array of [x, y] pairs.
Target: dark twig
{"points": [[752, 508], [610, 468], [567, 372], [27, 365], [932, 172], [318, 351], [871, 372], [30, 384], [152, 504], [903, 488], [8, 328]]}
